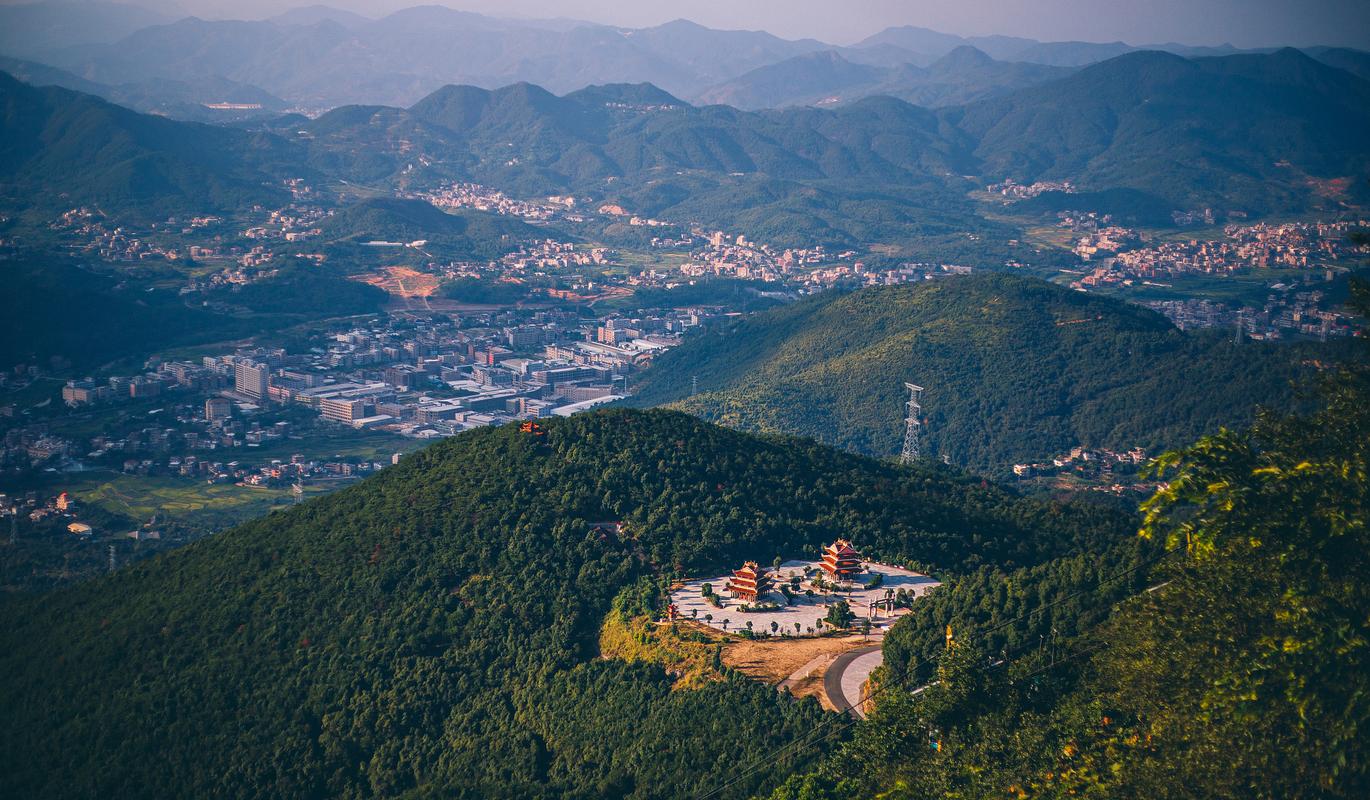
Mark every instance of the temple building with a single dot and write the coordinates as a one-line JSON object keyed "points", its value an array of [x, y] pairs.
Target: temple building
{"points": [[750, 582], [841, 561]]}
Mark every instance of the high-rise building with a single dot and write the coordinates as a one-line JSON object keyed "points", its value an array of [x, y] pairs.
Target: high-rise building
{"points": [[251, 378]]}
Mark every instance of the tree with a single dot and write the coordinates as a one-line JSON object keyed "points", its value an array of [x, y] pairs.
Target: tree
{"points": [[725, 624], [840, 615], [775, 626]]}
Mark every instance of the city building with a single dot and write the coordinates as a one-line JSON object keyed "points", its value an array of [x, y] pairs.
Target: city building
{"points": [[218, 408], [251, 378], [342, 410]]}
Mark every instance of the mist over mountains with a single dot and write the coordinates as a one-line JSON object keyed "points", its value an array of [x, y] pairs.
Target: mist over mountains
{"points": [[319, 57]]}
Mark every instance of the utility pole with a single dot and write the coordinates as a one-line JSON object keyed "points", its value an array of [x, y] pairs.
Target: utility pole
{"points": [[913, 426]]}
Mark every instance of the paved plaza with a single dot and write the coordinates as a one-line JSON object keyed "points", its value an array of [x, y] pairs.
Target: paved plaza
{"points": [[806, 611]]}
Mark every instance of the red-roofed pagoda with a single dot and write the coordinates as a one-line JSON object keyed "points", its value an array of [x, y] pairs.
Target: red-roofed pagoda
{"points": [[841, 561], [750, 582]]}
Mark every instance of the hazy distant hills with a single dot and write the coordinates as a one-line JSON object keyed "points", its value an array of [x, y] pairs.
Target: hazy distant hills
{"points": [[319, 57], [1015, 369], [179, 99], [930, 45], [408, 54], [962, 75], [38, 30], [1258, 134]]}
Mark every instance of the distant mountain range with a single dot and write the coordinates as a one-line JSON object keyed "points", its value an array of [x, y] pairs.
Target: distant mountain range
{"points": [[1256, 134], [319, 57], [825, 78]]}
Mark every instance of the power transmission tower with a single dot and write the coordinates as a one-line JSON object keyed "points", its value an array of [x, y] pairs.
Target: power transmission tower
{"points": [[1237, 337], [694, 385], [112, 563], [913, 425]]}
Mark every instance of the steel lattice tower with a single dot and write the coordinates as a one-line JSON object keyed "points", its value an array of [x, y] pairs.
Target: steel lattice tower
{"points": [[913, 425]]}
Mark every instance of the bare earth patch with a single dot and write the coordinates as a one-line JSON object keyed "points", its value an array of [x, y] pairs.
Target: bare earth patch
{"points": [[794, 664]]}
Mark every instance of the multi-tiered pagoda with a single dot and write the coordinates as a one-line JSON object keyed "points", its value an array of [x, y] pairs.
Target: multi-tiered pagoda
{"points": [[841, 561], [750, 582]]}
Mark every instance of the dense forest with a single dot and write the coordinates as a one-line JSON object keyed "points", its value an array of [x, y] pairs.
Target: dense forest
{"points": [[53, 308], [1223, 654], [299, 289], [433, 630], [1015, 369]]}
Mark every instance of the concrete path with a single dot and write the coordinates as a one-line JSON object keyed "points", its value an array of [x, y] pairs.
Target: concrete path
{"points": [[842, 682]]}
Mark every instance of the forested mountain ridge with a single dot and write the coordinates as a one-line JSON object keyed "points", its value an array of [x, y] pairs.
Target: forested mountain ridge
{"points": [[1015, 370], [1175, 128], [433, 629], [62, 148], [878, 171], [1233, 664]]}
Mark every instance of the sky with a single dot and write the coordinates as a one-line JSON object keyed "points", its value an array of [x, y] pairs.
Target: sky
{"points": [[1244, 23]]}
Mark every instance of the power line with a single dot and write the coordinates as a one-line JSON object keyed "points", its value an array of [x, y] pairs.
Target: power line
{"points": [[802, 744]]}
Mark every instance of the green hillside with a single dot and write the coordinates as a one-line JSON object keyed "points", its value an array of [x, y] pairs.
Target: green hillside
{"points": [[1237, 132], [62, 149], [1223, 655], [1015, 369], [468, 234], [432, 631]]}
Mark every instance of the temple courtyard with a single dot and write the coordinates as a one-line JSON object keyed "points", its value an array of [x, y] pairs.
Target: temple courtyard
{"points": [[804, 611]]}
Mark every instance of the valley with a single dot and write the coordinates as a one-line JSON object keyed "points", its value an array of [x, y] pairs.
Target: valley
{"points": [[485, 402]]}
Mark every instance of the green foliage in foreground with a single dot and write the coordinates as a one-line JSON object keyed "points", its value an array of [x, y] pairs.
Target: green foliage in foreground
{"points": [[1015, 369], [1244, 672], [433, 630]]}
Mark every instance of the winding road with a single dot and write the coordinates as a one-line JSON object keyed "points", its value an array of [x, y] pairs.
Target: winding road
{"points": [[842, 682]]}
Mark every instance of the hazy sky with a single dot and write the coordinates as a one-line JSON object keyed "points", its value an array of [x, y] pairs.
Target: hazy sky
{"points": [[1245, 23]]}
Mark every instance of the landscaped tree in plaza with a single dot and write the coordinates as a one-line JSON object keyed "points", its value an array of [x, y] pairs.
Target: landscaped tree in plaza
{"points": [[840, 615]]}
